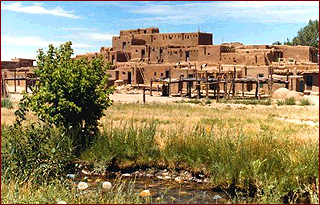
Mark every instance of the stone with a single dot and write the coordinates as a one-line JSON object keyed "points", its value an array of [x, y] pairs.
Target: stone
{"points": [[296, 95], [178, 179], [106, 185], [82, 185], [280, 93], [146, 193]]}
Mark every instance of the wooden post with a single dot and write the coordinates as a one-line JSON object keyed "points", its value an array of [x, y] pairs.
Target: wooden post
{"points": [[287, 84], [259, 95], [256, 94], [271, 80], [169, 85], [198, 89], [189, 89], [151, 87], [218, 84], [15, 83], [233, 82], [242, 85], [144, 95], [225, 87], [25, 76], [207, 86], [158, 88]]}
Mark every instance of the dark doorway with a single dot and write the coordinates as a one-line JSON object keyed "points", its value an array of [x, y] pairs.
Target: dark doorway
{"points": [[167, 73], [142, 53], [129, 77], [187, 55], [123, 45], [309, 82], [249, 86], [301, 86]]}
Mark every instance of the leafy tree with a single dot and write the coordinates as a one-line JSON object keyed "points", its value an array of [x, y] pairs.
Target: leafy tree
{"points": [[289, 43], [71, 93], [277, 43], [308, 35]]}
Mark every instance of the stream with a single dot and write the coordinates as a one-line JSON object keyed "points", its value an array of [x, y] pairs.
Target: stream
{"points": [[162, 186]]}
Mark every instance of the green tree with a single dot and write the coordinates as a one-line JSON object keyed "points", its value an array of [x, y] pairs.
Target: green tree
{"points": [[289, 43], [71, 93], [308, 35], [277, 43]]}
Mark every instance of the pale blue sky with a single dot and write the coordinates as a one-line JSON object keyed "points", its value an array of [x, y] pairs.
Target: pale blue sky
{"points": [[27, 26]]}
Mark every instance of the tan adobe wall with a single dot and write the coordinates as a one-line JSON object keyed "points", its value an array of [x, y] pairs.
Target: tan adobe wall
{"points": [[243, 59], [299, 53], [139, 31], [209, 54]]}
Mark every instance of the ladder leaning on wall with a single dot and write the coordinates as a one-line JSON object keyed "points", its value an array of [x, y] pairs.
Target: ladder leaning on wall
{"points": [[142, 73]]}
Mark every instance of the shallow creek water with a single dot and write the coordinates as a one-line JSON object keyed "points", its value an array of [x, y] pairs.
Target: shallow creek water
{"points": [[165, 187]]}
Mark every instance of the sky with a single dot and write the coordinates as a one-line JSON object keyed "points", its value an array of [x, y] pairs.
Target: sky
{"points": [[28, 26]]}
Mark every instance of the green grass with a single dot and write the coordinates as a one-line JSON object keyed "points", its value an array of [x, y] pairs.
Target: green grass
{"points": [[287, 101], [244, 147], [306, 102], [247, 102], [28, 193], [6, 103]]}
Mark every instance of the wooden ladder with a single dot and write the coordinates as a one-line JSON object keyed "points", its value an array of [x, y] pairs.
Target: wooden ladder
{"points": [[142, 74], [127, 56]]}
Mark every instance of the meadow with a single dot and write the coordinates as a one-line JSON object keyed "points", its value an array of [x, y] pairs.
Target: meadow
{"points": [[244, 146]]}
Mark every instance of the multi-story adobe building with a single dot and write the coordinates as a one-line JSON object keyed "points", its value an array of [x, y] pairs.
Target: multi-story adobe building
{"points": [[139, 55]]}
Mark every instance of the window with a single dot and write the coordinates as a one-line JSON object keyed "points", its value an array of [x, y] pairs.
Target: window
{"points": [[309, 80], [123, 73], [161, 74], [155, 73], [260, 75], [208, 54]]}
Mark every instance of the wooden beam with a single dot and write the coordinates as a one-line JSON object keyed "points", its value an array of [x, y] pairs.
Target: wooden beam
{"points": [[144, 95], [151, 87]]}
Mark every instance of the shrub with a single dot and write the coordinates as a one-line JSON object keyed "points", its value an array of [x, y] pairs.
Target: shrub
{"points": [[290, 101], [194, 101], [6, 102], [280, 102], [35, 153], [72, 93], [207, 102], [306, 102]]}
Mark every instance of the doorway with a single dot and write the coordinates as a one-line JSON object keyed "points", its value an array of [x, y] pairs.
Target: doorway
{"points": [[129, 77]]}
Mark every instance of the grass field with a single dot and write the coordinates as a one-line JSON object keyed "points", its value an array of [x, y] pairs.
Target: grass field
{"points": [[243, 145]]}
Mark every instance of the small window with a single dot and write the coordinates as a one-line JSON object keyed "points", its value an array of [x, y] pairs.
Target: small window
{"points": [[136, 51], [155, 73], [123, 73], [161, 74], [208, 54], [309, 80], [260, 75]]}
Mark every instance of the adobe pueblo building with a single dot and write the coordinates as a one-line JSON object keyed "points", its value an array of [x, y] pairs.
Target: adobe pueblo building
{"points": [[183, 63]]}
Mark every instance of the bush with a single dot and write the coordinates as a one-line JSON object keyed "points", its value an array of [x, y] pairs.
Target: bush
{"points": [[72, 93], [306, 102], [290, 101], [35, 153], [287, 101], [207, 102], [280, 102], [6, 102]]}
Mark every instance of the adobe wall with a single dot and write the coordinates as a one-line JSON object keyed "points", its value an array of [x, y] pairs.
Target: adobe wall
{"points": [[209, 54], [299, 53]]}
